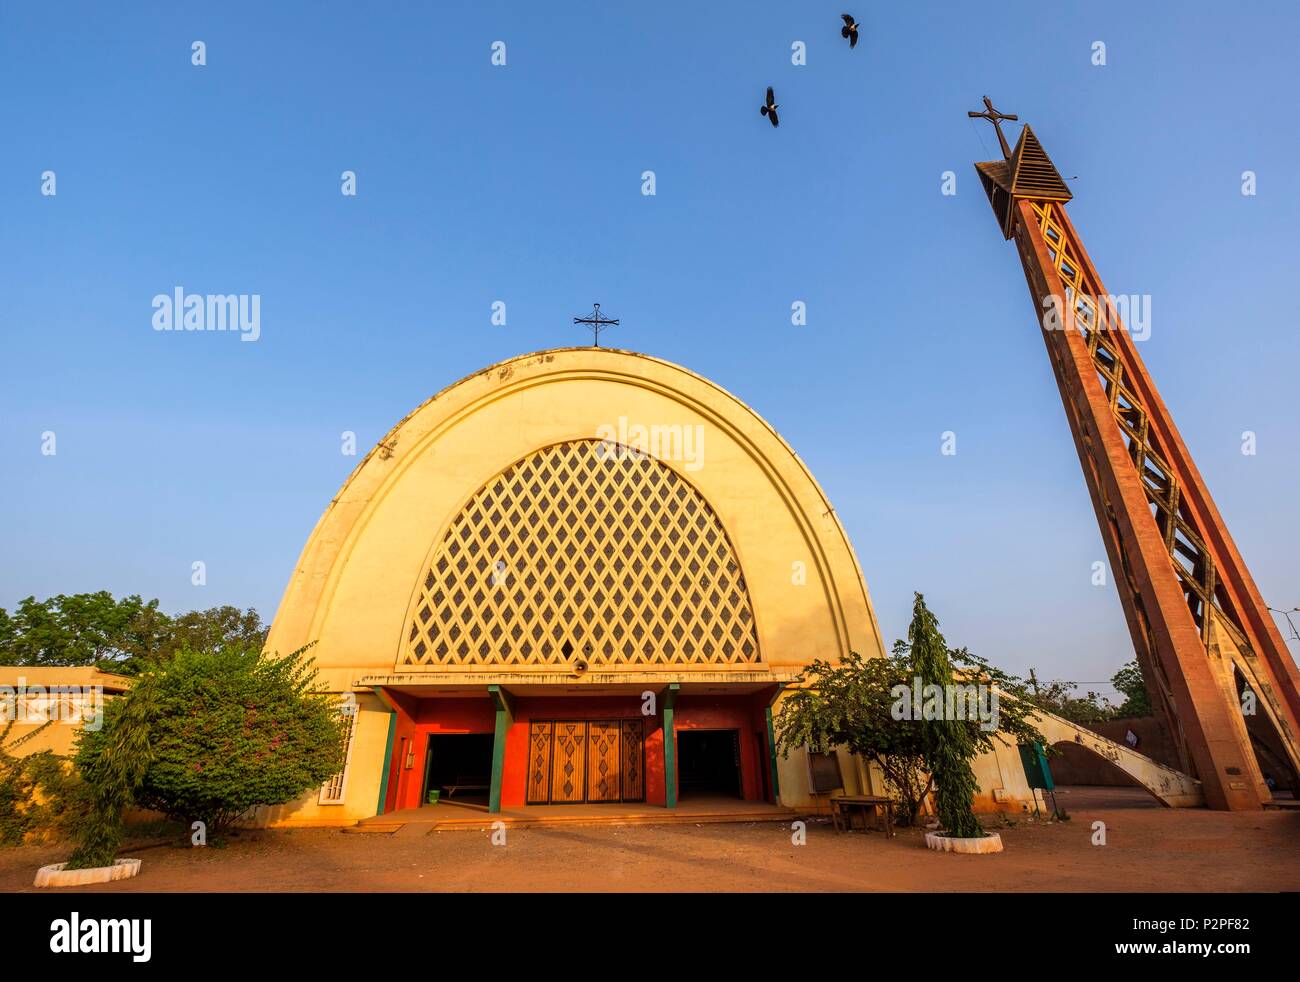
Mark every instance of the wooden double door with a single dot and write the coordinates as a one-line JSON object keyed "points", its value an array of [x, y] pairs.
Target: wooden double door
{"points": [[577, 761]]}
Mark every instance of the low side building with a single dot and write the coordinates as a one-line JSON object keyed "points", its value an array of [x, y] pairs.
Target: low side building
{"points": [[49, 705]]}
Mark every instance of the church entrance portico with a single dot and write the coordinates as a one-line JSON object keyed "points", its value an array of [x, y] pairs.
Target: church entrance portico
{"points": [[502, 747]]}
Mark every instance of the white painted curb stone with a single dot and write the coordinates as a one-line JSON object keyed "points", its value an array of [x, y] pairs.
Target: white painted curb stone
{"points": [[946, 843], [57, 876]]}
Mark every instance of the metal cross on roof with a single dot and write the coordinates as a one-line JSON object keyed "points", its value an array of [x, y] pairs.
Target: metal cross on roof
{"points": [[596, 322], [996, 118]]}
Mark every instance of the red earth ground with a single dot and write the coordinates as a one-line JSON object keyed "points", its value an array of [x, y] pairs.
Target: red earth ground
{"points": [[1148, 849]]}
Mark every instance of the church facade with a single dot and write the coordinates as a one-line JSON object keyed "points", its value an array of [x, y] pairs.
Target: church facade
{"points": [[578, 576]]}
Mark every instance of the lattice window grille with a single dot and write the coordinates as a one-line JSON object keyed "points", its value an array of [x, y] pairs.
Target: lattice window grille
{"points": [[575, 549]]}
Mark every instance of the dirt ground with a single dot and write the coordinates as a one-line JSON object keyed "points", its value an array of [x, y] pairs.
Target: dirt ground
{"points": [[1148, 849]]}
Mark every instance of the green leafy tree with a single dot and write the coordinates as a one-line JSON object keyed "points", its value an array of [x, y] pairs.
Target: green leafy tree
{"points": [[227, 731], [852, 704], [1129, 683], [212, 629], [76, 629], [1062, 699], [126, 636]]}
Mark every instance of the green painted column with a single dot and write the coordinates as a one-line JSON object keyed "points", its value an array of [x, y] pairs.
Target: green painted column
{"points": [[388, 748], [504, 703], [771, 756], [669, 697]]}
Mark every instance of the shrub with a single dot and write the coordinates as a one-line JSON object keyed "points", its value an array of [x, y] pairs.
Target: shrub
{"points": [[209, 737]]}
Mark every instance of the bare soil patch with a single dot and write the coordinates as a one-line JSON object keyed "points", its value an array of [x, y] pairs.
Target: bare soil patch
{"points": [[1147, 850]]}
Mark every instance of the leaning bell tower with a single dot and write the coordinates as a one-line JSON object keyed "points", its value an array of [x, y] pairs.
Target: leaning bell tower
{"points": [[1217, 668]]}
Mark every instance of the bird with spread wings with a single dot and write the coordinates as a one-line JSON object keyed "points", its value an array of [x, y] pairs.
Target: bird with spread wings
{"points": [[770, 107], [850, 30]]}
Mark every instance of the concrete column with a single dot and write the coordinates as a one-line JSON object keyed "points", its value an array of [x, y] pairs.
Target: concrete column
{"points": [[504, 703], [669, 699]]}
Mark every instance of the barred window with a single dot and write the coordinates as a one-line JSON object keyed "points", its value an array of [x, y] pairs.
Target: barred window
{"points": [[331, 792]]}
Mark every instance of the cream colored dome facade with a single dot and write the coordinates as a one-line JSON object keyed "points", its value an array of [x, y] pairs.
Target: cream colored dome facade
{"points": [[581, 575]]}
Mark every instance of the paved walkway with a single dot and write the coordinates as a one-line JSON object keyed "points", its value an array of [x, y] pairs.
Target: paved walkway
{"points": [[449, 815]]}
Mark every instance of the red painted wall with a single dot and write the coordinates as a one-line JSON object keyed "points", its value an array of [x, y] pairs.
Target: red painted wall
{"points": [[416, 719]]}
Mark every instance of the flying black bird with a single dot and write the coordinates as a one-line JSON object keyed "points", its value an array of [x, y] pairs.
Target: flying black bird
{"points": [[849, 30], [770, 107]]}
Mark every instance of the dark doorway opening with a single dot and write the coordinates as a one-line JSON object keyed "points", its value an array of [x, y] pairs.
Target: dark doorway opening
{"points": [[708, 763], [460, 767]]}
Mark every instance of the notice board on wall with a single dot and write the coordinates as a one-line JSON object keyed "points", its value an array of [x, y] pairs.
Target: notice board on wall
{"points": [[824, 773]]}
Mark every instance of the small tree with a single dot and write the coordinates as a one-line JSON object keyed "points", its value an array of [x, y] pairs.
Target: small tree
{"points": [[852, 704], [224, 732], [112, 762], [948, 746]]}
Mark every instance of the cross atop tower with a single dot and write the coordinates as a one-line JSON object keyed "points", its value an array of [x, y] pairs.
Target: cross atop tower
{"points": [[996, 118], [596, 322]]}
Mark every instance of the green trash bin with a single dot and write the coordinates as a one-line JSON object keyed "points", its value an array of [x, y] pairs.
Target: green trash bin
{"points": [[433, 797], [1038, 773]]}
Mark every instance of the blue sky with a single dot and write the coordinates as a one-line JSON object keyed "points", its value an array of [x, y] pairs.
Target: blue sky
{"points": [[522, 183]]}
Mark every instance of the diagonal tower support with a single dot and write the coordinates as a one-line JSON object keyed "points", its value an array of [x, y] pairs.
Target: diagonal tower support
{"points": [[1211, 655]]}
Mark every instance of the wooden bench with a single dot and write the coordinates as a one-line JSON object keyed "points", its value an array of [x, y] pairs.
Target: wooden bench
{"points": [[465, 784], [844, 806]]}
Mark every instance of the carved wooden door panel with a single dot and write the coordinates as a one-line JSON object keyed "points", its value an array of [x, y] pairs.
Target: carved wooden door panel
{"points": [[540, 735], [568, 763], [572, 761], [603, 763], [632, 752]]}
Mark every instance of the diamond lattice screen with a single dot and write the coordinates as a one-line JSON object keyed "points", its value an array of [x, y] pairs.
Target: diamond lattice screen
{"points": [[584, 551]]}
